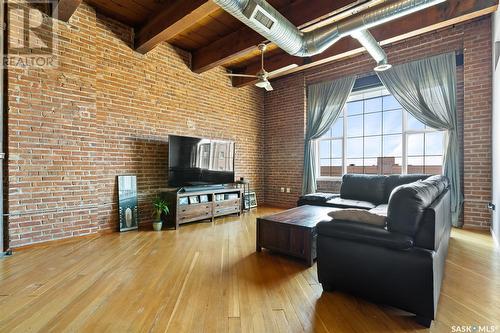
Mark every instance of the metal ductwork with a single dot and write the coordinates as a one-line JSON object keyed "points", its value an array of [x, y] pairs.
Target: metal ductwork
{"points": [[267, 21], [371, 45]]}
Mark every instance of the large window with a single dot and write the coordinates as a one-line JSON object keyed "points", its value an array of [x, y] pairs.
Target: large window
{"points": [[374, 135]]}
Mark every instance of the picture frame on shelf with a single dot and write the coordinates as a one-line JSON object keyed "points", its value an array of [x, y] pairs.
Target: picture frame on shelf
{"points": [[203, 198], [232, 196], [194, 199], [183, 201]]}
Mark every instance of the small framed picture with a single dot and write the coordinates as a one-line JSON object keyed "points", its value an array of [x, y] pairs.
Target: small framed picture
{"points": [[194, 200], [250, 200], [203, 198], [183, 201]]}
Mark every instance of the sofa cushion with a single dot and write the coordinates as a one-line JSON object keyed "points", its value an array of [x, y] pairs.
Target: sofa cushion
{"points": [[348, 203], [380, 210], [369, 188], [358, 215], [364, 233], [394, 181], [407, 204], [317, 197]]}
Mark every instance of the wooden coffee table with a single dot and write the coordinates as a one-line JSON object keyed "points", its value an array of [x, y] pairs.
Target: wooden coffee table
{"points": [[292, 232]]}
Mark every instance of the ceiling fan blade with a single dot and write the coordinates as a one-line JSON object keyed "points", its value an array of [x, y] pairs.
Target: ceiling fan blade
{"points": [[269, 87], [281, 70], [241, 75]]}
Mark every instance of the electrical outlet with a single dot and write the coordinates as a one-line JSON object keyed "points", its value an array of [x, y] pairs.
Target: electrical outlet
{"points": [[287, 190], [282, 190]]}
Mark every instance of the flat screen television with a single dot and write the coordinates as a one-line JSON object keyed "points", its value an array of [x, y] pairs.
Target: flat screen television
{"points": [[198, 162]]}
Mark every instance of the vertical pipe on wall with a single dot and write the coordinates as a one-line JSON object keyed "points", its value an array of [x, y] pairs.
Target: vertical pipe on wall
{"points": [[2, 249], [3, 241], [495, 207]]}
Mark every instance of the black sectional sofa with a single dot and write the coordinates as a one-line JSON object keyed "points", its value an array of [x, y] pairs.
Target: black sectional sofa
{"points": [[401, 264]]}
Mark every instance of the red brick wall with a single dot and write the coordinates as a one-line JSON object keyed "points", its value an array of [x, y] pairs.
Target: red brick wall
{"points": [[106, 111], [284, 129], [477, 124], [285, 115]]}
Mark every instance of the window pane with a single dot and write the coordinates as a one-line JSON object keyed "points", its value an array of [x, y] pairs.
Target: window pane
{"points": [[434, 165], [353, 108], [355, 148], [434, 143], [414, 124], [337, 148], [327, 134], [324, 149], [336, 169], [390, 165], [371, 166], [373, 146], [355, 126], [373, 105], [393, 145], [324, 169], [390, 103], [374, 137], [338, 128], [355, 165], [416, 164], [416, 144], [373, 124], [393, 122]]}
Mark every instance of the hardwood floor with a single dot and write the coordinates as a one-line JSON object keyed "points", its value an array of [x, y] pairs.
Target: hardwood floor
{"points": [[207, 277]]}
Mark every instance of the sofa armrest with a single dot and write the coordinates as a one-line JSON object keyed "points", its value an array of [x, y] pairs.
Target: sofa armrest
{"points": [[436, 223], [364, 233]]}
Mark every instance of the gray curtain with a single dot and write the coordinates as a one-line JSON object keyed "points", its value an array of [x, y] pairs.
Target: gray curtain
{"points": [[325, 101], [427, 89]]}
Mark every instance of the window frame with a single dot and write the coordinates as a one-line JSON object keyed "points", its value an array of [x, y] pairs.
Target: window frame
{"points": [[405, 133]]}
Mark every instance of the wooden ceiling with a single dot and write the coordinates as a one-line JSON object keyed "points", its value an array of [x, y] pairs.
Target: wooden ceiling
{"points": [[216, 38]]}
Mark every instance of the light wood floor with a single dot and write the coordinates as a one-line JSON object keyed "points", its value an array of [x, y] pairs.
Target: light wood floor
{"points": [[207, 277]]}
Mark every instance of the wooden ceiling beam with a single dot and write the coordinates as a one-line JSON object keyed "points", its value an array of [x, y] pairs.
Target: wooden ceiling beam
{"points": [[65, 9], [177, 17], [244, 40], [430, 19]]}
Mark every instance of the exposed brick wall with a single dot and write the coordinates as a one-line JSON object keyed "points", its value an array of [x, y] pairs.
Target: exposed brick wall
{"points": [[474, 112], [477, 124], [106, 111], [284, 129]]}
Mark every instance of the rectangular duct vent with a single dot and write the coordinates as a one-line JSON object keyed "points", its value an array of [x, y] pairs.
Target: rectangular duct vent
{"points": [[262, 17]]}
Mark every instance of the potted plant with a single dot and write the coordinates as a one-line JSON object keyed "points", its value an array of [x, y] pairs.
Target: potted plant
{"points": [[159, 207]]}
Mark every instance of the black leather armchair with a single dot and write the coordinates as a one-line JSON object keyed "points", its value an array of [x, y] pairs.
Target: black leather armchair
{"points": [[401, 265]]}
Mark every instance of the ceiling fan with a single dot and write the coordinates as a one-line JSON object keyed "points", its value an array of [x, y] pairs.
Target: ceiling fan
{"points": [[263, 76]]}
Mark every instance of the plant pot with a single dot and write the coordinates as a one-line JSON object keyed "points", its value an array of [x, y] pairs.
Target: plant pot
{"points": [[157, 226]]}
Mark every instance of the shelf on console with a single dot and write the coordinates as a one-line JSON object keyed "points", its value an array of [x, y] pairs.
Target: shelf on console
{"points": [[184, 210]]}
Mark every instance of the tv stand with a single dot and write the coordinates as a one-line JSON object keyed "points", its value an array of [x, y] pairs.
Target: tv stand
{"points": [[190, 206]]}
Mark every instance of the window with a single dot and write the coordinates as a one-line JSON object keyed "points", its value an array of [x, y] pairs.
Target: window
{"points": [[374, 135]]}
